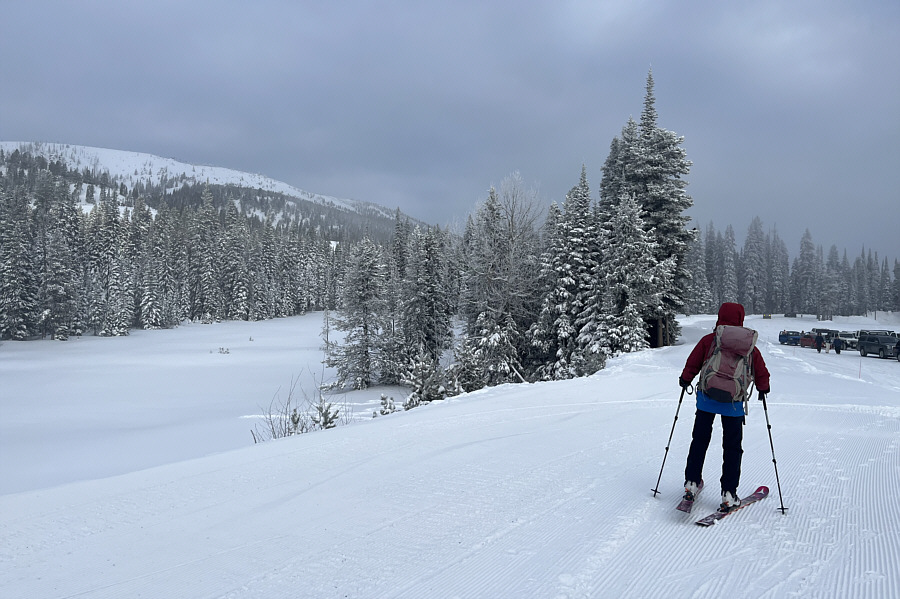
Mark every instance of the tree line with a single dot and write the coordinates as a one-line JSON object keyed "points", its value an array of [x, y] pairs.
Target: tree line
{"points": [[762, 276], [121, 265]]}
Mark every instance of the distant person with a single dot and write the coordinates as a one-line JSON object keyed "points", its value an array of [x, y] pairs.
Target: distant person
{"points": [[728, 361], [819, 342], [838, 345]]}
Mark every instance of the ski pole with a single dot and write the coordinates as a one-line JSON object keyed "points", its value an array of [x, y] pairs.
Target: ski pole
{"points": [[656, 490], [774, 461]]}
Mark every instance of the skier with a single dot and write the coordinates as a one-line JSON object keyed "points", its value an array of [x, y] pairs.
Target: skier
{"points": [[820, 341], [712, 401]]}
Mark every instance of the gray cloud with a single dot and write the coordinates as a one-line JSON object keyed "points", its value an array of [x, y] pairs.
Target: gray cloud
{"points": [[789, 110]]}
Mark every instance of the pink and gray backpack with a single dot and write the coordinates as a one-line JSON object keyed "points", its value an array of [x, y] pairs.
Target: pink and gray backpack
{"points": [[726, 375]]}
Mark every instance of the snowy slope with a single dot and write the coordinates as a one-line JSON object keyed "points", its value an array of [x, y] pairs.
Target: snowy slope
{"points": [[133, 167], [519, 491]]}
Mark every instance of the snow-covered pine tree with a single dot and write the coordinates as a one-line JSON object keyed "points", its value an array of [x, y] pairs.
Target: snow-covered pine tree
{"points": [[848, 289], [699, 299], [831, 284], [634, 280], [120, 290], [206, 247], [569, 264], [235, 278], [779, 275], [59, 288], [425, 378], [896, 287], [499, 292], [360, 317], [805, 275], [325, 414], [713, 264], [662, 165], [392, 349], [496, 349], [755, 279], [424, 306], [728, 266], [18, 286], [884, 287], [540, 338], [648, 163]]}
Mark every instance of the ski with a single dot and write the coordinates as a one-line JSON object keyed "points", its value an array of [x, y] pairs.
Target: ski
{"points": [[761, 493], [687, 505]]}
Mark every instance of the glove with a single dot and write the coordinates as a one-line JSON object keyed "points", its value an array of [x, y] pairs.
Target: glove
{"points": [[761, 395], [683, 383]]}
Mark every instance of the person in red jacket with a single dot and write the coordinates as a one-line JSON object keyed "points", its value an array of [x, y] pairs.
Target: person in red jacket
{"points": [[731, 412]]}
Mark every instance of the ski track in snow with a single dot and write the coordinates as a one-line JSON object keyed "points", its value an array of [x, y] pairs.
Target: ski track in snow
{"points": [[538, 491]]}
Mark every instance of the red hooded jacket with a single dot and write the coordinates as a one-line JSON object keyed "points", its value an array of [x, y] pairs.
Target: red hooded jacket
{"points": [[729, 314]]}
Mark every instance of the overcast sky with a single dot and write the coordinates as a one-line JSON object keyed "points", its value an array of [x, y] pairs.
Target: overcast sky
{"points": [[790, 111]]}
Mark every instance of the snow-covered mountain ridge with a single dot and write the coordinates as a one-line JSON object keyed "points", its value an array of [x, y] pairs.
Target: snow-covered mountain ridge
{"points": [[132, 168]]}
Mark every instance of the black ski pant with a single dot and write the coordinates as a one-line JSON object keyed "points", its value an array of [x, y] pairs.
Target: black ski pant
{"points": [[732, 451]]}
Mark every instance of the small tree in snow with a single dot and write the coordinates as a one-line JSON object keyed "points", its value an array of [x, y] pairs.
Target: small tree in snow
{"points": [[426, 379]]}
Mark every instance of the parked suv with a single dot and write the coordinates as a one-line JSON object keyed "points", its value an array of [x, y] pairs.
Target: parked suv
{"points": [[882, 345], [849, 338], [789, 337]]}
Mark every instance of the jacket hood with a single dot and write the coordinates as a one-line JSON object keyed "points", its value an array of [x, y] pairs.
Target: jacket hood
{"points": [[731, 314]]}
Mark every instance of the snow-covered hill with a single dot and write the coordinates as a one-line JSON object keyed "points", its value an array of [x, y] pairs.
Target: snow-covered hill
{"points": [[518, 491], [132, 168]]}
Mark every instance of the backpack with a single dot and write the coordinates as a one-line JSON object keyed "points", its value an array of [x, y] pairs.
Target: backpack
{"points": [[726, 374]]}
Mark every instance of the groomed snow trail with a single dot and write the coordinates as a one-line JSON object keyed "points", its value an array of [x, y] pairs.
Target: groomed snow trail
{"points": [[519, 491]]}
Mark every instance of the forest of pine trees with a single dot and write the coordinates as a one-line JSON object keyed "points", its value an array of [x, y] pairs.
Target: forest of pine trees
{"points": [[516, 296], [122, 265]]}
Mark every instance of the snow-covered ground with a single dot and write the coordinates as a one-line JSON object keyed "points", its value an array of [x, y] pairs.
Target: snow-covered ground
{"points": [[127, 470]]}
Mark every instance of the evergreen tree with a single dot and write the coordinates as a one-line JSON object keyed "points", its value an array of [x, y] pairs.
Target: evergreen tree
{"points": [[663, 198], [860, 281], [779, 275], [713, 264], [362, 309], [884, 287], [496, 349], [18, 288], [58, 291], [699, 296], [392, 342], [635, 282], [499, 294], [570, 262], [896, 288], [832, 284], [805, 276], [235, 277], [425, 313], [648, 164], [728, 268], [425, 378], [756, 276]]}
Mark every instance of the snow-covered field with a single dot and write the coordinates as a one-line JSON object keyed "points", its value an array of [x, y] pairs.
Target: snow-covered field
{"points": [[127, 470]]}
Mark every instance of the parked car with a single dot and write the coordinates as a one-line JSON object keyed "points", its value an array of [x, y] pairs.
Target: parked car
{"points": [[808, 340], [873, 332], [849, 338], [789, 337], [884, 346]]}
